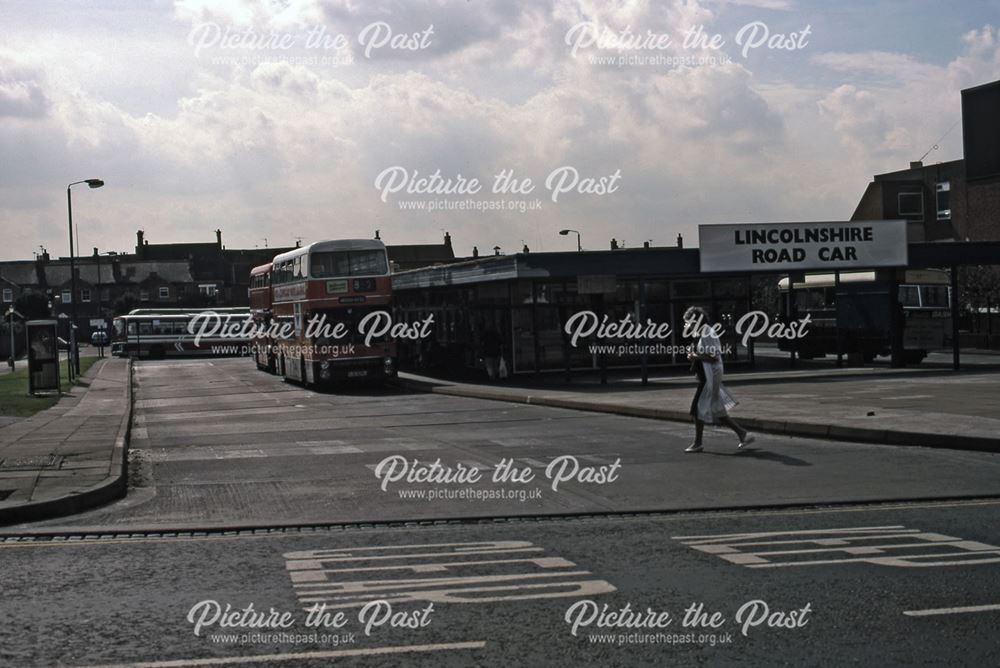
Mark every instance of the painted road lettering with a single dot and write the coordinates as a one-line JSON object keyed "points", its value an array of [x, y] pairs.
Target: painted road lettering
{"points": [[449, 573], [884, 546]]}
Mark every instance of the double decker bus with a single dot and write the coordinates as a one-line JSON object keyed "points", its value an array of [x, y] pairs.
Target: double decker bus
{"points": [[261, 345], [321, 294], [157, 333], [857, 314]]}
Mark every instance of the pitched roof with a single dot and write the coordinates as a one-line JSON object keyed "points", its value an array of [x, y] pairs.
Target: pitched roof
{"points": [[20, 272], [178, 271]]}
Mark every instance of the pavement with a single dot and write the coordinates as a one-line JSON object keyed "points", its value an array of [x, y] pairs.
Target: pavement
{"points": [[924, 407], [71, 456]]}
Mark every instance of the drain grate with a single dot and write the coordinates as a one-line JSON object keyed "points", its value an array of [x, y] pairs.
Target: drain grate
{"points": [[31, 463]]}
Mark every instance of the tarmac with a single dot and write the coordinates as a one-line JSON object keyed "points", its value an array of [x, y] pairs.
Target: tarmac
{"points": [[71, 456]]}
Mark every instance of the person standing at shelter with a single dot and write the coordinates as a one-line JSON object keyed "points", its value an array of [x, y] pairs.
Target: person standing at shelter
{"points": [[492, 352], [712, 402]]}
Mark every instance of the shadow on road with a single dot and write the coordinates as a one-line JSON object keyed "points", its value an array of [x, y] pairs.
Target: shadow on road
{"points": [[756, 453]]}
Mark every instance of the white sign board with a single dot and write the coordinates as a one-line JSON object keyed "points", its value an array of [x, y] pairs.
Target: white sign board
{"points": [[803, 246]]}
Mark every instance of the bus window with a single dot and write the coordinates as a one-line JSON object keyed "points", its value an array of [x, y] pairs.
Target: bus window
{"points": [[935, 296], [144, 329], [349, 263], [909, 295]]}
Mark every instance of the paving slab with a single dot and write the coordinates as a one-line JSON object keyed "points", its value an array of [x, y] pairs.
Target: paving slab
{"points": [[70, 457]]}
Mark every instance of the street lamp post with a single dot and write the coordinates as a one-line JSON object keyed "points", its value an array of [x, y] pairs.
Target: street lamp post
{"points": [[566, 233], [74, 351], [11, 313]]}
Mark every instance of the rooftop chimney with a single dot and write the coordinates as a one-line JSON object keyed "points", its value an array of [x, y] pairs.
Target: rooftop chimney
{"points": [[218, 238], [680, 241], [377, 235], [916, 164]]}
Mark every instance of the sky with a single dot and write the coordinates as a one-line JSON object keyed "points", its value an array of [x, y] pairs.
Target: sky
{"points": [[285, 120]]}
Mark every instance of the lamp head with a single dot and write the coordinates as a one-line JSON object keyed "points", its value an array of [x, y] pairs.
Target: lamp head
{"points": [[94, 183]]}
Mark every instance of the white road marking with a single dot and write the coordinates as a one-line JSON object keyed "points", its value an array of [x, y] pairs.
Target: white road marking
{"points": [[533, 577], [312, 578], [917, 549], [299, 656], [951, 611], [767, 534]]}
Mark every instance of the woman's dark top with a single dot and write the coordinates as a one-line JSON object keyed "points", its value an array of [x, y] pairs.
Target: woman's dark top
{"points": [[699, 369]]}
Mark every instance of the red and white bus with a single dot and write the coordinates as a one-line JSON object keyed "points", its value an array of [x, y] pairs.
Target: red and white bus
{"points": [[261, 344], [322, 295]]}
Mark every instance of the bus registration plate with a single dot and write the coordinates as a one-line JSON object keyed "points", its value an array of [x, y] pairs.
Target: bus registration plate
{"points": [[357, 374]]}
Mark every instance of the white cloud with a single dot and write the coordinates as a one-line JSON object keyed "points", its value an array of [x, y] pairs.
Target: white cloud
{"points": [[281, 149]]}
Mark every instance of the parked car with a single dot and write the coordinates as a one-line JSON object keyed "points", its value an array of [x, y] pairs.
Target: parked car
{"points": [[99, 338]]}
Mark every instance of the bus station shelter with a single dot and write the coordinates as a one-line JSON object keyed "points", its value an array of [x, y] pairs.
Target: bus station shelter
{"points": [[528, 297]]}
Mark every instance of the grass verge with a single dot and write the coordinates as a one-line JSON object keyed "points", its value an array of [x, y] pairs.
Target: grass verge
{"points": [[15, 400]]}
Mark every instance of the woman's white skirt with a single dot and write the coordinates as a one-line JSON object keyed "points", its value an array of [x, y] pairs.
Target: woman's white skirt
{"points": [[715, 401]]}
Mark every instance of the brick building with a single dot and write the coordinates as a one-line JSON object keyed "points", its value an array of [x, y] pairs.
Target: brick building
{"points": [[172, 275], [955, 200]]}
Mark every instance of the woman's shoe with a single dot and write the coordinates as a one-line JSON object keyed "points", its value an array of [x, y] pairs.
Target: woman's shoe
{"points": [[694, 447], [747, 439]]}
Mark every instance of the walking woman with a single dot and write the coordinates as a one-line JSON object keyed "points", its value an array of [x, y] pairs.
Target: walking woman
{"points": [[712, 402]]}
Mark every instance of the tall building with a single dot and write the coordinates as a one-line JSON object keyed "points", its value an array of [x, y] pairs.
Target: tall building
{"points": [[955, 200]]}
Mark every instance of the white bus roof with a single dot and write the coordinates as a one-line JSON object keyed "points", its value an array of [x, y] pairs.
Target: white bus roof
{"points": [[933, 276], [332, 245], [184, 312]]}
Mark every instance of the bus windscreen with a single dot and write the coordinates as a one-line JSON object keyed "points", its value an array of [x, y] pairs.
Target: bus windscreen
{"points": [[349, 263]]}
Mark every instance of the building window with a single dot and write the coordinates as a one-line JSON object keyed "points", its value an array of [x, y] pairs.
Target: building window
{"points": [[144, 295], [911, 205], [208, 290], [8, 295], [944, 200], [85, 295], [164, 293], [66, 297]]}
